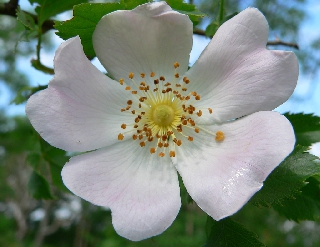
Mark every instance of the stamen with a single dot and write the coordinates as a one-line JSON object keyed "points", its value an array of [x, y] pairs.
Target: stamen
{"points": [[120, 137], [176, 65], [160, 114], [219, 136], [161, 154]]}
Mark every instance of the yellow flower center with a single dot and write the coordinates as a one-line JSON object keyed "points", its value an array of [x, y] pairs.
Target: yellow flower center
{"points": [[163, 115], [162, 112]]}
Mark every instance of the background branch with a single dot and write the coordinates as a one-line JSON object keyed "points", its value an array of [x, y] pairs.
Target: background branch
{"points": [[10, 9], [273, 42]]}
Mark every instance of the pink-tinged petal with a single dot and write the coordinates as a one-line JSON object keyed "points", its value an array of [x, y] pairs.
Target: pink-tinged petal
{"points": [[141, 189], [222, 176], [236, 75], [150, 38], [80, 109]]}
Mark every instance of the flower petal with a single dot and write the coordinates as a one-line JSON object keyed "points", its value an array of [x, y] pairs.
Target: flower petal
{"points": [[141, 189], [222, 176], [150, 38], [80, 109], [236, 75]]}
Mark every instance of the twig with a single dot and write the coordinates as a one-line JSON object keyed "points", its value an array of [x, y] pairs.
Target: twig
{"points": [[274, 42]]}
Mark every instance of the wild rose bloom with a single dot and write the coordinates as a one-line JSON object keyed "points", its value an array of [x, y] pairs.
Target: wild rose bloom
{"points": [[213, 123]]}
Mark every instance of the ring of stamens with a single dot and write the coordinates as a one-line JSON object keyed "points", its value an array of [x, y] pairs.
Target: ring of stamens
{"points": [[161, 112]]}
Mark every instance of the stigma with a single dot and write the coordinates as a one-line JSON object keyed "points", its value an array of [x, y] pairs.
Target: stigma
{"points": [[162, 111]]}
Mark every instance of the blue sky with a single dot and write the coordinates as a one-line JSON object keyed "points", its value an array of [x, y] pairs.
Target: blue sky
{"points": [[309, 31]]}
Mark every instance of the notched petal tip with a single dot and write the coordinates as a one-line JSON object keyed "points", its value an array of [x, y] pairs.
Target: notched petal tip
{"points": [[152, 9]]}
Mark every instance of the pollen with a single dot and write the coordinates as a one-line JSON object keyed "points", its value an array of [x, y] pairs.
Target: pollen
{"points": [[162, 112], [161, 154], [219, 136]]}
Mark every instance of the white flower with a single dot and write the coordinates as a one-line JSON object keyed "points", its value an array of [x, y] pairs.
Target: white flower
{"points": [[213, 123]]}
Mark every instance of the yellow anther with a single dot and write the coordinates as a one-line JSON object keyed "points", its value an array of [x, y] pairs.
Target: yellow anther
{"points": [[196, 130], [120, 137], [123, 126], [176, 65], [142, 75], [199, 113], [172, 154], [176, 75], [190, 138], [142, 144], [162, 78], [210, 110], [134, 137], [129, 102], [197, 97], [131, 75], [152, 150], [128, 88], [121, 81], [186, 80], [161, 154], [219, 136], [152, 74]]}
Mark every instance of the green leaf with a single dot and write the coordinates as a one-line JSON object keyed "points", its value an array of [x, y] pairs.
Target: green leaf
{"points": [[86, 17], [188, 9], [25, 92], [39, 187], [49, 8], [288, 178], [57, 159], [211, 29], [26, 19], [306, 128], [228, 233], [305, 205], [34, 160]]}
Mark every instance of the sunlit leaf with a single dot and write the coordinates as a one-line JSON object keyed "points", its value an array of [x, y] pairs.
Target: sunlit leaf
{"points": [[48, 8], [85, 18]]}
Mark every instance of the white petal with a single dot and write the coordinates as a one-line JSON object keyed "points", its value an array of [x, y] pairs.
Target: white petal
{"points": [[80, 110], [150, 38], [222, 176], [236, 75], [141, 189]]}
